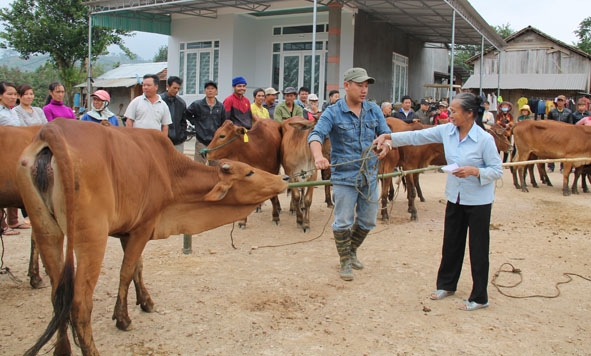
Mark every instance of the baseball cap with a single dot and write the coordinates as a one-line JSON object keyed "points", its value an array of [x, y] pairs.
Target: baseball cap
{"points": [[561, 97], [424, 102], [210, 82], [271, 91], [313, 97], [289, 90], [358, 75]]}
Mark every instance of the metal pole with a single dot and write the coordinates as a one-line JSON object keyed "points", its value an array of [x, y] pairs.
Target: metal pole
{"points": [[88, 65], [499, 76], [481, 59], [453, 44], [313, 51], [187, 244]]}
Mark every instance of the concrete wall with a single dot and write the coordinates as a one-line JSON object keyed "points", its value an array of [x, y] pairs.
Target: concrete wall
{"points": [[375, 43], [246, 45]]}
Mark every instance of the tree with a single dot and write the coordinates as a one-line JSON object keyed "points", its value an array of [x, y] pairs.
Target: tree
{"points": [[584, 35], [161, 55], [58, 28]]}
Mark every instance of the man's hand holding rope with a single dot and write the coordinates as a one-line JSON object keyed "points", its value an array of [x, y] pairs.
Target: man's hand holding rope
{"points": [[383, 145]]}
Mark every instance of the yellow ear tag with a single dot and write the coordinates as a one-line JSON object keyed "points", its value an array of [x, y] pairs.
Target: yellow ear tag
{"points": [[245, 135]]}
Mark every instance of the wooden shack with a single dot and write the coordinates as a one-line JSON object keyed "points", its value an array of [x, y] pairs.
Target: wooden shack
{"points": [[533, 65]]}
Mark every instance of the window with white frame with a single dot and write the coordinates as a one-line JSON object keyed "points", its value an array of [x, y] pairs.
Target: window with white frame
{"points": [[399, 76], [199, 62]]}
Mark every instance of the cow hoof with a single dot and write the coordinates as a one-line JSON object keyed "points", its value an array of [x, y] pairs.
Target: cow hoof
{"points": [[276, 222], [422, 200], [535, 185], [306, 229], [414, 218], [292, 212], [242, 226], [36, 282], [147, 306], [124, 325], [524, 189], [329, 205], [566, 193], [585, 190]]}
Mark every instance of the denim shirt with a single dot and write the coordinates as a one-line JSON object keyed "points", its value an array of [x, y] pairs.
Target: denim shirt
{"points": [[476, 149], [349, 137]]}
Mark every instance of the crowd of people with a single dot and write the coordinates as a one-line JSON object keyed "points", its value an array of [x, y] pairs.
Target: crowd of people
{"points": [[352, 124]]}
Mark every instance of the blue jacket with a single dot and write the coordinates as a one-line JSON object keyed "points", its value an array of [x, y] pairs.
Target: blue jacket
{"points": [[349, 137]]}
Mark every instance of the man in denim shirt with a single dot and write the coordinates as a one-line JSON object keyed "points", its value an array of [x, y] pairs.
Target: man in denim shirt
{"points": [[351, 125]]}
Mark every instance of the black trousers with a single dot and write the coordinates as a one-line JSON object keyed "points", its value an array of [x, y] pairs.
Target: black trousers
{"points": [[458, 219]]}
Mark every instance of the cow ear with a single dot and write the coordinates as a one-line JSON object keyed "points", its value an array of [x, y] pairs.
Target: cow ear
{"points": [[218, 192]]}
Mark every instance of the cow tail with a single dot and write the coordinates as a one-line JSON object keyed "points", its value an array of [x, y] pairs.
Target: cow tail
{"points": [[64, 293]]}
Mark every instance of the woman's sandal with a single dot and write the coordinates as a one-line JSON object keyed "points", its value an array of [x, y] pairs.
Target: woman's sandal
{"points": [[9, 231], [22, 226], [440, 294], [470, 306]]}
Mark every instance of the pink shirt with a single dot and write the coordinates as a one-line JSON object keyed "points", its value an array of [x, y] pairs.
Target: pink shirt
{"points": [[585, 121]]}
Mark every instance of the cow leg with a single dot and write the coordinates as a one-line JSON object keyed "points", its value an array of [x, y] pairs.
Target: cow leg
{"points": [[574, 188], [242, 224], [521, 172], [565, 173], [133, 252], [143, 298], [418, 187], [259, 208], [514, 171], [544, 175], [293, 206], [276, 209], [411, 195], [296, 203], [532, 177], [584, 180], [35, 279], [386, 182], [325, 174], [90, 252], [307, 203]]}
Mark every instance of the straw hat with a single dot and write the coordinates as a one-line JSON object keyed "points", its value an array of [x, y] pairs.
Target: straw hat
{"points": [[525, 107]]}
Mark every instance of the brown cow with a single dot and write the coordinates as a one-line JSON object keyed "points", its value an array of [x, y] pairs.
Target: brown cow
{"points": [[414, 157], [298, 163], [550, 139], [258, 147], [87, 182], [13, 141]]}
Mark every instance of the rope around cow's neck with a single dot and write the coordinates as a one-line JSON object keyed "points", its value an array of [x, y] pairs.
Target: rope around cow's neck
{"points": [[206, 150]]}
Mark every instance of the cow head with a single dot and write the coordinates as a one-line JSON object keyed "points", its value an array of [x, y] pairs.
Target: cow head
{"points": [[240, 183], [224, 136], [300, 123]]}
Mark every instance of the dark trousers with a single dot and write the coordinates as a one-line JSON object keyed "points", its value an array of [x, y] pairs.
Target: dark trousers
{"points": [[458, 219]]}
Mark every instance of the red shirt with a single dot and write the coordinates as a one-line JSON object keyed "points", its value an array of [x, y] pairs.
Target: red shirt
{"points": [[238, 110]]}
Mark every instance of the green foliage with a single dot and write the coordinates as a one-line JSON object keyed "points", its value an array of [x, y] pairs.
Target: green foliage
{"points": [[161, 55], [584, 35], [504, 30], [58, 28], [39, 80]]}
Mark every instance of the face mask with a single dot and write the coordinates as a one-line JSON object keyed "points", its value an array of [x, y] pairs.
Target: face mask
{"points": [[505, 109]]}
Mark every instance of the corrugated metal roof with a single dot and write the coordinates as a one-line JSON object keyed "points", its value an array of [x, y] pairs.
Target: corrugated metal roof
{"points": [[133, 69], [126, 75], [530, 81], [426, 20]]}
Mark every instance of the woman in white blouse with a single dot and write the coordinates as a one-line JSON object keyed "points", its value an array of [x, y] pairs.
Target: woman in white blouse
{"points": [[28, 114]]}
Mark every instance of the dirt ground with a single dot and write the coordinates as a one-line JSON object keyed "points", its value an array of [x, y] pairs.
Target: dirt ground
{"points": [[258, 300]]}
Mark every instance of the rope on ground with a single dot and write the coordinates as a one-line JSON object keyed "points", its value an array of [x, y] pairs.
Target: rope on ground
{"points": [[517, 271], [300, 241]]}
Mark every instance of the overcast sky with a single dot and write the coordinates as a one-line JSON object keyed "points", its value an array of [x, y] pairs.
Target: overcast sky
{"points": [[557, 18]]}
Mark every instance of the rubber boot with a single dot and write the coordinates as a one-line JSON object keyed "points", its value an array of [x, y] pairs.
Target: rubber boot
{"points": [[357, 236], [343, 241]]}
